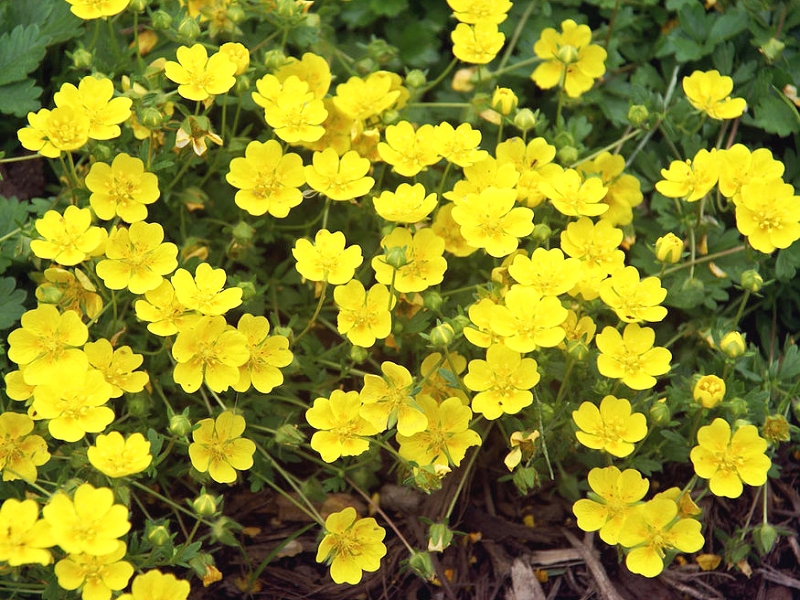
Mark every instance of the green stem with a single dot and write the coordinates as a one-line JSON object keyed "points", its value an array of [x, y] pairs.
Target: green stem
{"points": [[706, 258], [308, 508], [313, 319], [383, 515], [463, 479], [742, 304], [542, 436], [20, 158], [619, 142], [515, 37], [515, 66], [439, 79], [181, 172]]}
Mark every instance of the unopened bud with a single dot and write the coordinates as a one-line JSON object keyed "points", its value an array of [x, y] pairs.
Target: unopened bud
{"points": [[442, 335], [390, 117], [541, 232], [381, 51], [765, 536], [504, 100], [669, 248], [161, 20], [737, 406], [422, 565], [274, 59], [577, 350], [638, 115], [567, 155], [660, 414], [433, 300], [243, 83], [396, 257], [416, 79], [235, 13], [709, 391], [524, 120], [439, 537], [248, 290], [772, 49], [205, 505], [159, 535], [138, 5], [289, 435], [139, 404], [358, 354], [82, 59], [189, 29], [151, 117], [180, 425], [752, 281], [732, 344]]}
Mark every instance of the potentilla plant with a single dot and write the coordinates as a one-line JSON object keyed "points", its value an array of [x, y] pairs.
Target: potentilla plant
{"points": [[269, 234]]}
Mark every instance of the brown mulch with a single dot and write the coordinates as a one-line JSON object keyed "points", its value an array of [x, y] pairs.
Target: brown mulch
{"points": [[497, 556]]}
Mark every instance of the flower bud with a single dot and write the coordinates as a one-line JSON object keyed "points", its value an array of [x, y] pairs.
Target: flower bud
{"points": [[82, 59], [525, 120], [504, 100], [390, 117], [248, 290], [669, 248], [709, 391], [541, 232], [289, 435], [138, 5], [765, 536], [151, 117], [381, 51], [638, 115], [422, 565], [751, 280], [459, 322], [205, 504], [365, 66], [158, 535], [416, 78], [396, 256], [235, 13], [776, 429], [161, 20], [180, 425], [243, 83], [439, 537], [660, 414], [188, 29], [567, 54], [732, 344], [139, 404], [432, 300], [577, 350], [274, 59], [358, 354], [49, 294], [243, 232], [737, 406], [772, 49], [567, 155], [442, 335]]}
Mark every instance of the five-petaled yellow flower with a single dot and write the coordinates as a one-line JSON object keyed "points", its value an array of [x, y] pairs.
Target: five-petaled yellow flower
{"points": [[710, 93], [612, 427], [219, 448], [199, 76], [351, 545]]}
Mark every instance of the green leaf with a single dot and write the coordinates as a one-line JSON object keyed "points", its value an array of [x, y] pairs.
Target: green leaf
{"points": [[53, 17], [21, 51], [20, 98], [11, 299], [774, 116], [726, 26], [388, 8]]}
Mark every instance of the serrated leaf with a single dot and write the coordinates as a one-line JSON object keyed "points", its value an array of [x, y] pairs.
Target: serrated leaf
{"points": [[56, 22], [726, 26], [774, 116], [11, 302], [20, 98], [13, 214], [21, 51]]}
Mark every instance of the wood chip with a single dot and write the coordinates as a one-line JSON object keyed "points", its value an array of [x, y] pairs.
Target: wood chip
{"points": [[524, 585], [604, 585]]}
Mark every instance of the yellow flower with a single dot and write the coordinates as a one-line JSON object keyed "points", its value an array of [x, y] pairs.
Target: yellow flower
{"points": [[503, 382], [267, 354], [311, 68], [653, 529], [48, 345], [73, 405], [361, 99], [488, 173], [121, 189], [291, 109], [733, 344], [409, 151], [727, 460], [155, 585], [209, 349], [709, 390], [204, 292], [24, 538], [546, 271], [219, 448], [327, 259], [363, 316], [522, 446], [94, 96], [407, 204], [611, 502], [388, 401], [339, 179], [768, 213], [447, 437], [268, 180], [504, 100], [477, 44], [710, 92], [738, 165], [68, 239], [596, 244], [342, 429], [351, 545], [571, 60], [631, 356], [534, 164], [490, 220], [459, 146], [88, 523], [527, 320], [690, 179], [96, 9], [668, 248], [612, 427], [164, 313], [198, 76], [573, 196], [634, 300], [137, 258], [624, 191], [115, 456], [52, 131], [238, 54], [472, 11], [446, 228], [20, 452], [97, 576], [434, 383], [424, 263], [117, 366]]}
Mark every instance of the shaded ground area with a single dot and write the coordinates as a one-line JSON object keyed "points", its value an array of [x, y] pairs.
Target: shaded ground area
{"points": [[500, 557]]}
